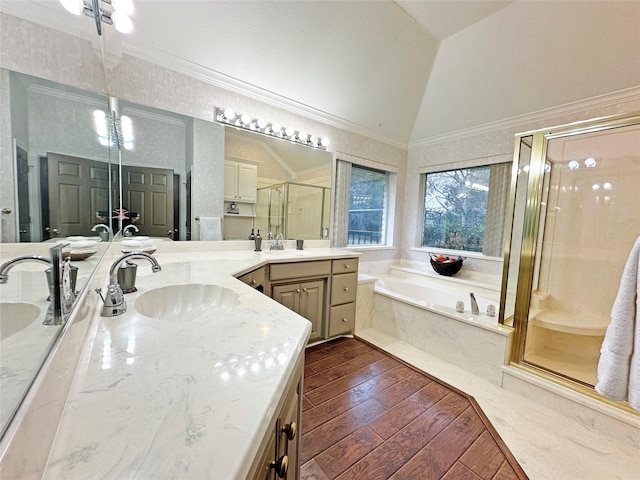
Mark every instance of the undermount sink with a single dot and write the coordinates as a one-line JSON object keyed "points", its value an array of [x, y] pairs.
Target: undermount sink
{"points": [[186, 302], [15, 317]]}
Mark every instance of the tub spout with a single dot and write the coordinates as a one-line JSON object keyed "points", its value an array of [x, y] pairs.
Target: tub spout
{"points": [[474, 305]]}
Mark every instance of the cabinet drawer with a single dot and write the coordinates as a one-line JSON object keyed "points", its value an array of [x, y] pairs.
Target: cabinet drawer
{"points": [[344, 265], [282, 271], [343, 288], [342, 319], [253, 279]]}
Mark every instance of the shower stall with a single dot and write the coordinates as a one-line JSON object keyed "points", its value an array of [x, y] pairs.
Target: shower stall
{"points": [[298, 211], [575, 217]]}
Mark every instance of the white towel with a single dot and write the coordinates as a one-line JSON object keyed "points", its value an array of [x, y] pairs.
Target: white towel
{"points": [[210, 228], [619, 364]]}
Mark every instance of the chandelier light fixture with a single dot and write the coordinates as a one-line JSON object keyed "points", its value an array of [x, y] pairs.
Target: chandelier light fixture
{"points": [[111, 12], [245, 121]]}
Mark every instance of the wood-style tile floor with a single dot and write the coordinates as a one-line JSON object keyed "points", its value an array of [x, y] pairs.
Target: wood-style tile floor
{"points": [[368, 416]]}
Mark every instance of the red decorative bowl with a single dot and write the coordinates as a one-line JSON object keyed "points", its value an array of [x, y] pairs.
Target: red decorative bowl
{"points": [[447, 266]]}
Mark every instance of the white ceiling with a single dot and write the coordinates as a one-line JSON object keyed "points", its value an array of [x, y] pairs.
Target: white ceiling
{"points": [[402, 71]]}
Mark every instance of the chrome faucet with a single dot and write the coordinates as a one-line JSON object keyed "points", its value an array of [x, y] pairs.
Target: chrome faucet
{"points": [[104, 231], [474, 305], [113, 300], [277, 244], [4, 269], [125, 230]]}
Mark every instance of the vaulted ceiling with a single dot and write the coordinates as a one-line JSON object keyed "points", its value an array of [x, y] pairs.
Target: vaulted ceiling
{"points": [[402, 72]]}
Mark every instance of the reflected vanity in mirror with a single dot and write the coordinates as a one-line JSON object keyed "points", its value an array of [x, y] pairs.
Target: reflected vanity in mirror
{"points": [[58, 176]]}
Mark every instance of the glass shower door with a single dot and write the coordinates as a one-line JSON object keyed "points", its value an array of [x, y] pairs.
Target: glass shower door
{"points": [[581, 221]]}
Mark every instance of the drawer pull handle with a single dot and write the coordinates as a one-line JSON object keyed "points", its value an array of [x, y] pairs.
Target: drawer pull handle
{"points": [[290, 430], [304, 290], [297, 290], [344, 320], [281, 466], [346, 289], [253, 282], [346, 266]]}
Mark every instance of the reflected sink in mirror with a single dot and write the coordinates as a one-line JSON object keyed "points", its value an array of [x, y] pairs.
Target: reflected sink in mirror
{"points": [[186, 302], [15, 317]]}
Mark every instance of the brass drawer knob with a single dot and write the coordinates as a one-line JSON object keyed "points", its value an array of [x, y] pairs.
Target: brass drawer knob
{"points": [[281, 466], [346, 289], [290, 430], [253, 282], [344, 320]]}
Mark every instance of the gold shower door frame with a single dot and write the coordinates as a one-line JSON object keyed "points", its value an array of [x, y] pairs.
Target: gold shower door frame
{"points": [[523, 245]]}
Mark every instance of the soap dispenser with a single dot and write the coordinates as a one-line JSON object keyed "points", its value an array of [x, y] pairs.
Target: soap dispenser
{"points": [[258, 242]]}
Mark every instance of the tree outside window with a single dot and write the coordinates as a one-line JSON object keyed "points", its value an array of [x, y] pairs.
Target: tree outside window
{"points": [[455, 209]]}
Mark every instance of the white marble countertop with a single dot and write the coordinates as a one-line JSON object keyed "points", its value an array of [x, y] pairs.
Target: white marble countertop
{"points": [[185, 398]]}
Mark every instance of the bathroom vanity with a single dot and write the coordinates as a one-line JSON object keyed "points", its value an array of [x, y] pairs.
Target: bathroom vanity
{"points": [[322, 291], [170, 389]]}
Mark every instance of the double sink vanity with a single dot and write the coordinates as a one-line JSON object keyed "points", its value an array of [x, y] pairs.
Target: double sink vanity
{"points": [[201, 376]]}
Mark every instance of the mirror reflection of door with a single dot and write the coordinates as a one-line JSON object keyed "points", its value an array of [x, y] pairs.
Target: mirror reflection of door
{"points": [[77, 189], [148, 192], [24, 216]]}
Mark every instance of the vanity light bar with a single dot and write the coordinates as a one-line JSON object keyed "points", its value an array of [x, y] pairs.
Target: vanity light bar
{"points": [[260, 125]]}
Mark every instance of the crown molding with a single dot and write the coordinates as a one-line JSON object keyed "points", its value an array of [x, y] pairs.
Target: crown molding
{"points": [[600, 101], [232, 84], [64, 95]]}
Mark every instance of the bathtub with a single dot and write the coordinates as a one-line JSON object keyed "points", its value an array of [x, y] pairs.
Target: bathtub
{"points": [[421, 311], [441, 299]]}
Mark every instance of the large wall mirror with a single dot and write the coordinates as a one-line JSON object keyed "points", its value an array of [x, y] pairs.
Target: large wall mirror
{"points": [[58, 175], [57, 140]]}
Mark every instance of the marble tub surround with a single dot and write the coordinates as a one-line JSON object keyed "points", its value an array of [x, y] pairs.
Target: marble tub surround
{"points": [[182, 398], [477, 343]]}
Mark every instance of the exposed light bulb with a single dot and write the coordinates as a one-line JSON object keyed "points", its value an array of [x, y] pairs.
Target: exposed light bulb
{"points": [[607, 186], [229, 114], [324, 142], [573, 165], [276, 127], [261, 123], [73, 6], [123, 6], [303, 137], [314, 140], [245, 118], [122, 22], [289, 132], [590, 162], [595, 186]]}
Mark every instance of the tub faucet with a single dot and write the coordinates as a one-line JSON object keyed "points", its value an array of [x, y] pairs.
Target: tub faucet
{"points": [[125, 230], [474, 305], [4, 269], [113, 300]]}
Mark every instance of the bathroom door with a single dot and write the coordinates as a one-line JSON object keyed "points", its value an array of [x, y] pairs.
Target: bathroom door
{"points": [[149, 192], [77, 189]]}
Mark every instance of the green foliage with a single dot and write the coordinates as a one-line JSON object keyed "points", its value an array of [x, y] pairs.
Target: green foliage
{"points": [[455, 209]]}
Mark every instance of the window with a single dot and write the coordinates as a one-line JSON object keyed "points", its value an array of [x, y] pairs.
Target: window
{"points": [[464, 209], [367, 206]]}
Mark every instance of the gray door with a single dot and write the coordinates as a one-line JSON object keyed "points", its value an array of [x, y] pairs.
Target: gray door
{"points": [[149, 193], [24, 217], [78, 188]]}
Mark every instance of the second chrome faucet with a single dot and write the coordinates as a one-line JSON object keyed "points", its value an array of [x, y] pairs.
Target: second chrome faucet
{"points": [[113, 300]]}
